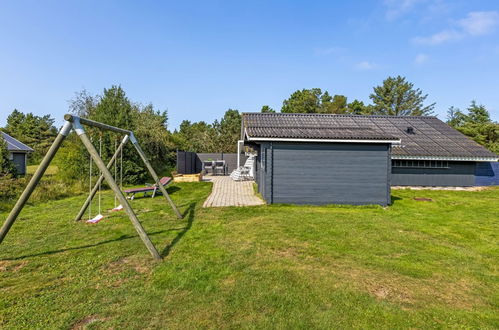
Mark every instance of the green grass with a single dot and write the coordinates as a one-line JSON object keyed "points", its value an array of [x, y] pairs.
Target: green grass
{"points": [[416, 264], [51, 170]]}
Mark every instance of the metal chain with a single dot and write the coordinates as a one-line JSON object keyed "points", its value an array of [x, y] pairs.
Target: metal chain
{"points": [[90, 183], [100, 182]]}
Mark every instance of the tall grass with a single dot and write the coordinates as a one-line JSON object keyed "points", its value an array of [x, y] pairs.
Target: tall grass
{"points": [[51, 187]]}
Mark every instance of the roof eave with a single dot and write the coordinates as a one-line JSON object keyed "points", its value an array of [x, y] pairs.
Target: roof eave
{"points": [[447, 158], [267, 139]]}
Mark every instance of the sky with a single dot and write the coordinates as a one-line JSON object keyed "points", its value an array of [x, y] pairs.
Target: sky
{"points": [[196, 59]]}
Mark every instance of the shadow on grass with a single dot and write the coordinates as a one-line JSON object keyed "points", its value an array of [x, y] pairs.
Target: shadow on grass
{"points": [[170, 190], [395, 199], [189, 214], [121, 238]]}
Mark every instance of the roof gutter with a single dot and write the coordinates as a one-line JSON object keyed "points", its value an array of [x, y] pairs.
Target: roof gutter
{"points": [[396, 141], [469, 159]]}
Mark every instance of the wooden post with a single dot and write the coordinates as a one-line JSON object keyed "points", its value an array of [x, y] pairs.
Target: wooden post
{"points": [[116, 189], [154, 175], [63, 133], [99, 181]]}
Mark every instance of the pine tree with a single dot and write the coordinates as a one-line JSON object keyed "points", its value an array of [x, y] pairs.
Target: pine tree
{"points": [[397, 97]]}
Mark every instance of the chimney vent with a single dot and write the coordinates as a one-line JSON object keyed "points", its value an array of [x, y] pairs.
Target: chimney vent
{"points": [[410, 130]]}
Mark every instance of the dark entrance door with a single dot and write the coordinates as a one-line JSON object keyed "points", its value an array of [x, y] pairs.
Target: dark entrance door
{"points": [[19, 160]]}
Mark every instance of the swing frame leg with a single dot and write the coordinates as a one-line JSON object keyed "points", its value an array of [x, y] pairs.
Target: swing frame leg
{"points": [[154, 175], [100, 180], [116, 189], [63, 133]]}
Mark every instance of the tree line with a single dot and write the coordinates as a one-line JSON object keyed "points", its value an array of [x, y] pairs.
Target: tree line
{"points": [[394, 97]]}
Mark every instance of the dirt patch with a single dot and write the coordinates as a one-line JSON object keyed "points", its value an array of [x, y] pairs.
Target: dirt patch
{"points": [[82, 324], [11, 266], [287, 253], [423, 199], [118, 266], [229, 281]]}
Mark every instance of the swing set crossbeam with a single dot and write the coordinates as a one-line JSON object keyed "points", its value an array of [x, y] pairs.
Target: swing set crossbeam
{"points": [[75, 123]]}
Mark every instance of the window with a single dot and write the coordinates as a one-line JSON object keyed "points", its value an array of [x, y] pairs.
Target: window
{"points": [[420, 163]]}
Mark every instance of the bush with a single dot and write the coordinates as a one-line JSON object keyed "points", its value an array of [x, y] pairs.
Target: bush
{"points": [[7, 167], [49, 188]]}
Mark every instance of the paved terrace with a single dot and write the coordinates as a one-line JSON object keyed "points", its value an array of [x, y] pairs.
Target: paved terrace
{"points": [[227, 192]]}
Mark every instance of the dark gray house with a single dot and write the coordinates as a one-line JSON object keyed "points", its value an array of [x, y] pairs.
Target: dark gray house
{"points": [[18, 152], [348, 159]]}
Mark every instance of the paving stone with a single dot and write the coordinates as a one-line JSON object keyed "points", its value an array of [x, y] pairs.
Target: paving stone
{"points": [[227, 192]]}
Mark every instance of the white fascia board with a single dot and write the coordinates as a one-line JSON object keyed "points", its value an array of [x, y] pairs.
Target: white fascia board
{"points": [[257, 139], [470, 159]]}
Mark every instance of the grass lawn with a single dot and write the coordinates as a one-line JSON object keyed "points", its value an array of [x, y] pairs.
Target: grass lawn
{"points": [[414, 264], [51, 170]]}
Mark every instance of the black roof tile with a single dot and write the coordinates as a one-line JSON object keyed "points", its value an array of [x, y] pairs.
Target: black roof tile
{"points": [[430, 137], [15, 145]]}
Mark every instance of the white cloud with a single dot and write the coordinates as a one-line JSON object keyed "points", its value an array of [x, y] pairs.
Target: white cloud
{"points": [[421, 58], [364, 65], [479, 22], [475, 24], [397, 8], [438, 38]]}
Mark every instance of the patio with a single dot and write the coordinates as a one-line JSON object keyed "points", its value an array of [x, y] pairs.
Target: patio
{"points": [[227, 192]]}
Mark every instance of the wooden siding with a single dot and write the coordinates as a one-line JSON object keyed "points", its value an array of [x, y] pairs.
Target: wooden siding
{"points": [[325, 173], [487, 174], [459, 174], [19, 160]]}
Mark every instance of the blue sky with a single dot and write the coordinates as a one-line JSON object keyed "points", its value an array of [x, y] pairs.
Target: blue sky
{"points": [[197, 59]]}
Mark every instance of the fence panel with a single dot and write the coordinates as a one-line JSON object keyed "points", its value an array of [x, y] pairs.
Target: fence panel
{"points": [[191, 162]]}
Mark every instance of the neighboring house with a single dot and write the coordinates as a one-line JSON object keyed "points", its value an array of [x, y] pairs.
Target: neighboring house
{"points": [[18, 152], [348, 159]]}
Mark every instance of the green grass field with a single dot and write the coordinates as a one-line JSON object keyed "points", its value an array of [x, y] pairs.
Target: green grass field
{"points": [[416, 264]]}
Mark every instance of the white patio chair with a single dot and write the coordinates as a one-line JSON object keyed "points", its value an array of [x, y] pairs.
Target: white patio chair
{"points": [[244, 172]]}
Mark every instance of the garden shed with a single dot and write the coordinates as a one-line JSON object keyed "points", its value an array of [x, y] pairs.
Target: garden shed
{"points": [[18, 152]]}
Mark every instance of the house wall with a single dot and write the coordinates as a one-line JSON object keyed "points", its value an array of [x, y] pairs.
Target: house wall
{"points": [[458, 174], [19, 160], [324, 173], [487, 174]]}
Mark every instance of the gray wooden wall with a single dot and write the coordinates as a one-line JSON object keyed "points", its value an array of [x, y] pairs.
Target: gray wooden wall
{"points": [[192, 162], [487, 174], [19, 160], [324, 173], [459, 174]]}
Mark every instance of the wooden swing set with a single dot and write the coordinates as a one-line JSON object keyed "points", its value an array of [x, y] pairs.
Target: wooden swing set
{"points": [[76, 123]]}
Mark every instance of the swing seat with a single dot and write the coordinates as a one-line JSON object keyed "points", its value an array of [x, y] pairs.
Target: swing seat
{"points": [[117, 208], [144, 190], [96, 219]]}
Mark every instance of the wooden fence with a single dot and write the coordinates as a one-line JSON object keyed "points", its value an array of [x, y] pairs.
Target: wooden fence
{"points": [[192, 162]]}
